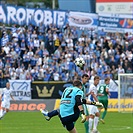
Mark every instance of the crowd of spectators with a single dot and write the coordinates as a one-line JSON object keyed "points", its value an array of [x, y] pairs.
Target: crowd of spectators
{"points": [[48, 53]]}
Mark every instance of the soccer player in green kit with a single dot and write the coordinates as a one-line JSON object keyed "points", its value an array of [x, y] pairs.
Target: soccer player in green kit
{"points": [[84, 80], [103, 93]]}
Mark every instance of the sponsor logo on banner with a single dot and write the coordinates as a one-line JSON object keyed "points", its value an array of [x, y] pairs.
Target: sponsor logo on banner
{"points": [[115, 22], [50, 90], [45, 92], [81, 19], [32, 105], [125, 105], [21, 89]]}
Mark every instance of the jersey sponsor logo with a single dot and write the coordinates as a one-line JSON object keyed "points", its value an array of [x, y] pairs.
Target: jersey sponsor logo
{"points": [[65, 101]]}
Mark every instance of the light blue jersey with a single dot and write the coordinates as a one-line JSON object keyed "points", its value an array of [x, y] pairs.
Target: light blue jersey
{"points": [[68, 100]]}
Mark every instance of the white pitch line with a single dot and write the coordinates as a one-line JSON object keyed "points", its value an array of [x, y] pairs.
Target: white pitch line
{"points": [[120, 128]]}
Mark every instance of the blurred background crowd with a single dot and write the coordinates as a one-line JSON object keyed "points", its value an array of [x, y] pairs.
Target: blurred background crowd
{"points": [[48, 53]]}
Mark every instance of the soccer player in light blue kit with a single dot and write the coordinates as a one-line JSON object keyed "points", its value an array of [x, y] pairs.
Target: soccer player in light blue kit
{"points": [[71, 106]]}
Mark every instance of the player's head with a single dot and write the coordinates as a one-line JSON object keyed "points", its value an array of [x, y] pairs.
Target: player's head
{"points": [[8, 85], [96, 80], [77, 83], [84, 78], [107, 80]]}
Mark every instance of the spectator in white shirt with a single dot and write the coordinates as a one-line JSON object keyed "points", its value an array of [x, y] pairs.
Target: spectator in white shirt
{"points": [[6, 48], [56, 76], [120, 69]]}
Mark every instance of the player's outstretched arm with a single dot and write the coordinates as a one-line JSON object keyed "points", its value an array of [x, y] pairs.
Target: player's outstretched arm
{"points": [[85, 101]]}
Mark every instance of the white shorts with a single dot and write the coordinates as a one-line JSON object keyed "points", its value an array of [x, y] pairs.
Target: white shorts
{"points": [[92, 109], [5, 104]]}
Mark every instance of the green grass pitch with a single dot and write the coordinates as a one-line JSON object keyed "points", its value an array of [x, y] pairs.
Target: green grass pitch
{"points": [[34, 122]]}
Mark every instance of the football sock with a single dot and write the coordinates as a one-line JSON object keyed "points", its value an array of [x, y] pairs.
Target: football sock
{"points": [[4, 112], [86, 123], [90, 124], [104, 113], [1, 112], [95, 122], [53, 113]]}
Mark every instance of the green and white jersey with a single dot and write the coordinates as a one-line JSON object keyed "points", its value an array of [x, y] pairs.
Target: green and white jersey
{"points": [[84, 91], [102, 90], [84, 97]]}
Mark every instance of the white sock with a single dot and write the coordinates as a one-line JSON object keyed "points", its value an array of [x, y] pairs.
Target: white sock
{"points": [[1, 112], [90, 124], [95, 122], [4, 112]]}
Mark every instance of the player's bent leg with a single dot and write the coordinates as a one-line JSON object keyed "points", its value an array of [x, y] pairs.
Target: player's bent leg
{"points": [[105, 103], [103, 116], [68, 122], [70, 127], [91, 119], [96, 119], [73, 130], [53, 113], [45, 113], [3, 112], [86, 123]]}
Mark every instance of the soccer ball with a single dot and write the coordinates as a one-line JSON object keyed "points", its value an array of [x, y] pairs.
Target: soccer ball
{"points": [[79, 62]]}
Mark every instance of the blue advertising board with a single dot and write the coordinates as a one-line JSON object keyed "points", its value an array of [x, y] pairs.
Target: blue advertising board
{"points": [[116, 22]]}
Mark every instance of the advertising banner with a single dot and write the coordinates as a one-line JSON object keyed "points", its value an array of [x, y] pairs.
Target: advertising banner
{"points": [[36, 16], [50, 104], [114, 6], [81, 19], [32, 105], [51, 90], [126, 105], [21, 89], [48, 90], [115, 23]]}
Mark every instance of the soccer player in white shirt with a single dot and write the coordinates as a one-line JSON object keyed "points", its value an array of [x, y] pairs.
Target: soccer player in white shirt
{"points": [[5, 100], [93, 110]]}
